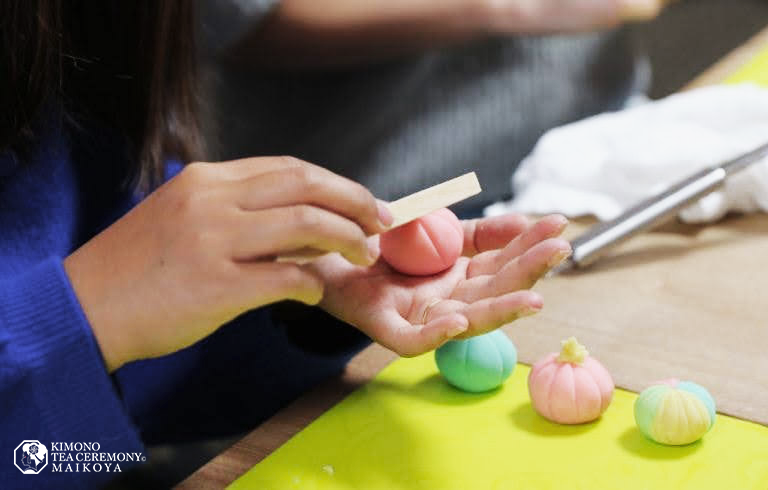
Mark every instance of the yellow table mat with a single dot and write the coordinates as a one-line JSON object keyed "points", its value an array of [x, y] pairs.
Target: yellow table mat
{"points": [[756, 71], [409, 429]]}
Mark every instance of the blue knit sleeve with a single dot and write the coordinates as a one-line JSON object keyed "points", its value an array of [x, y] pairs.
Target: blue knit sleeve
{"points": [[54, 387]]}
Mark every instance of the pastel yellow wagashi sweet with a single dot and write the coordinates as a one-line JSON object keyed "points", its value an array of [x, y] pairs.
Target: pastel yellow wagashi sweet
{"points": [[674, 412]]}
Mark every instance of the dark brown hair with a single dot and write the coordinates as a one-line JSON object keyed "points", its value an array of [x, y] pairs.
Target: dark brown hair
{"points": [[127, 66]]}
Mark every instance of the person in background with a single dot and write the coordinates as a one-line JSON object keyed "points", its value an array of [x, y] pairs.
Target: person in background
{"points": [[137, 292], [403, 94]]}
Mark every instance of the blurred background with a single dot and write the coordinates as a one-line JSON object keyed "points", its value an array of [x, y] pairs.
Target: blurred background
{"points": [[692, 34]]}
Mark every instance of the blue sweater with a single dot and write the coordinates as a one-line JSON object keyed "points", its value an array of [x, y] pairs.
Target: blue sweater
{"points": [[53, 384]]}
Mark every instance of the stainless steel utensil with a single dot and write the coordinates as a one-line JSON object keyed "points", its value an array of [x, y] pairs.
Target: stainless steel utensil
{"points": [[654, 211]]}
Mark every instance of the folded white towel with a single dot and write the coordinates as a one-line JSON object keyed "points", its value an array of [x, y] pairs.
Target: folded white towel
{"points": [[603, 165]]}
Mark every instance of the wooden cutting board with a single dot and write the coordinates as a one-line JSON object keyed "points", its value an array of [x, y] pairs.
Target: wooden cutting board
{"points": [[688, 302]]}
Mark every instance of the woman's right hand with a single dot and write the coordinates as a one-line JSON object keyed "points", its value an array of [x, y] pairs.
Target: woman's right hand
{"points": [[201, 250]]}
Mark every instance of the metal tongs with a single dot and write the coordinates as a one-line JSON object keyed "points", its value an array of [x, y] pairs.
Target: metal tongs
{"points": [[654, 211]]}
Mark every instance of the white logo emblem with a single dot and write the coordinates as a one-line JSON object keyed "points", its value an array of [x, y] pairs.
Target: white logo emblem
{"points": [[30, 457]]}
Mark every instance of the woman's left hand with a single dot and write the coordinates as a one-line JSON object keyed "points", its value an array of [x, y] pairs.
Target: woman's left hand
{"points": [[486, 288]]}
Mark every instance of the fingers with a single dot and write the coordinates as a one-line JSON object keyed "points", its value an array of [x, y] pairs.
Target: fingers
{"points": [[267, 182], [275, 282], [408, 340], [519, 273], [567, 15], [270, 232], [553, 16], [639, 10], [491, 313], [451, 319], [481, 235], [244, 168], [241, 169], [295, 205], [491, 262], [309, 184]]}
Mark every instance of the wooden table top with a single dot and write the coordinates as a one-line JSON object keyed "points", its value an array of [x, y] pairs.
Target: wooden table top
{"points": [[270, 435]]}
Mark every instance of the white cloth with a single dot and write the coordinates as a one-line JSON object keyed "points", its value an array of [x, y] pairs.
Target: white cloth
{"points": [[602, 165]]}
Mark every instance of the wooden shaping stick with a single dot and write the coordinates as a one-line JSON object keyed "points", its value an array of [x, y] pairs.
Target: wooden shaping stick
{"points": [[414, 206], [421, 203]]}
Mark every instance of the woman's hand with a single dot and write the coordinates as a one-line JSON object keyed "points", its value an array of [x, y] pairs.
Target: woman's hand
{"points": [[549, 16], [309, 33], [201, 250], [412, 315]]}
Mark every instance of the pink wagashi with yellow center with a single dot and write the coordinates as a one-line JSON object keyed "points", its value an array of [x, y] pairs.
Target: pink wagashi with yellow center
{"points": [[570, 387]]}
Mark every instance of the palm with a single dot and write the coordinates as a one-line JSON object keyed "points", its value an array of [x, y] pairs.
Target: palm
{"points": [[411, 315]]}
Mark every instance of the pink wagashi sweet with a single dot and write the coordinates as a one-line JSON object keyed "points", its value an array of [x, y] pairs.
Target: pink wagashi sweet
{"points": [[570, 387], [426, 246]]}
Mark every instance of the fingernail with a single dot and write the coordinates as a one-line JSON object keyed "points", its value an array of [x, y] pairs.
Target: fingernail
{"points": [[373, 253], [385, 215], [455, 330], [527, 311], [558, 258], [640, 9], [561, 220]]}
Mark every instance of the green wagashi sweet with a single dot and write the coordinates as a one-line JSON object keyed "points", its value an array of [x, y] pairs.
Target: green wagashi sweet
{"points": [[479, 363]]}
